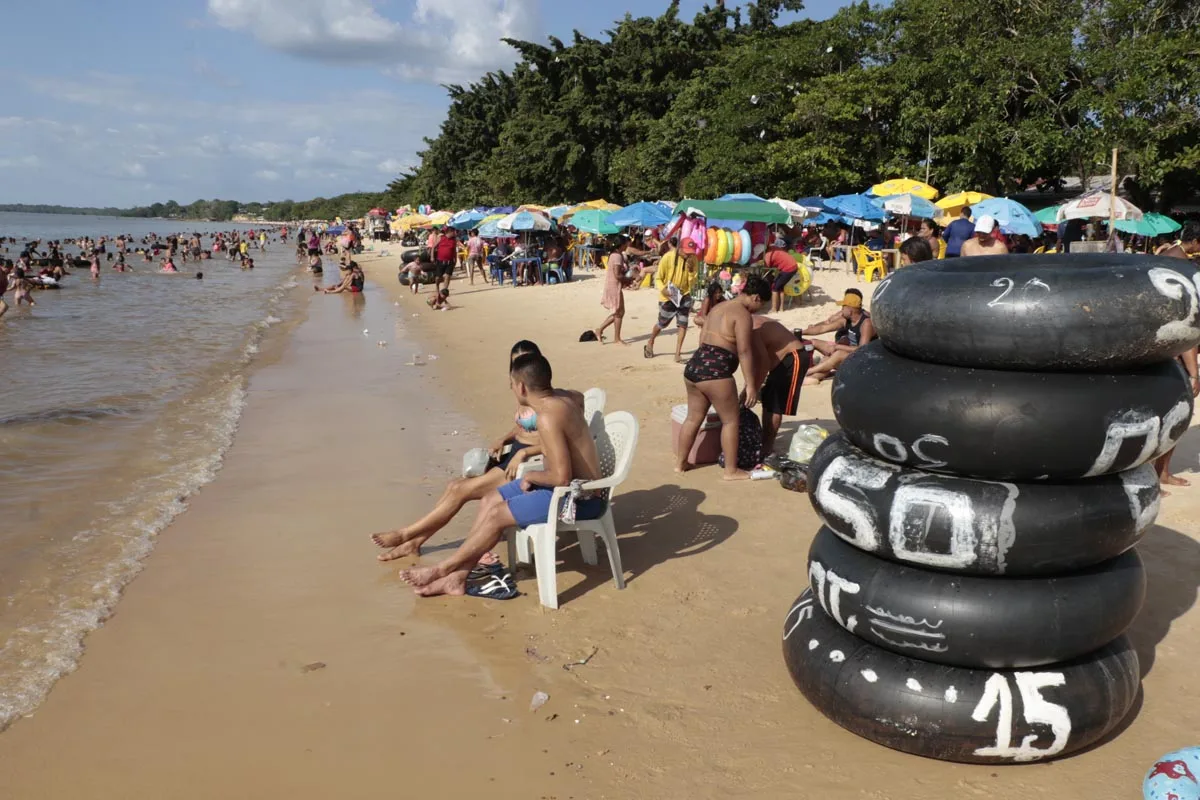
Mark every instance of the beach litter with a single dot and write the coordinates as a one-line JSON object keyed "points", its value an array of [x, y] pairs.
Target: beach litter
{"points": [[313, 667], [583, 661], [539, 700]]}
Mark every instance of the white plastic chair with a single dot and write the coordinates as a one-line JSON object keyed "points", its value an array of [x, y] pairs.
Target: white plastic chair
{"points": [[615, 445]]}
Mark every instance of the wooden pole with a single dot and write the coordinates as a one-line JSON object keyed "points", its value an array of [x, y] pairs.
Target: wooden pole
{"points": [[1112, 198]]}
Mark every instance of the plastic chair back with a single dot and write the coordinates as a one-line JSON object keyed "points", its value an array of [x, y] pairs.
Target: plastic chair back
{"points": [[615, 446], [593, 410]]}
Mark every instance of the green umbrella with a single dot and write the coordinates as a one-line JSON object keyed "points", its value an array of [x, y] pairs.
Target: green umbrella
{"points": [[1047, 216], [736, 210], [1150, 224], [593, 220]]}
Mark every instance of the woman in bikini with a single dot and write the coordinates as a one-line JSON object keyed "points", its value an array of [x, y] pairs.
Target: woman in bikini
{"points": [[517, 446], [708, 376]]}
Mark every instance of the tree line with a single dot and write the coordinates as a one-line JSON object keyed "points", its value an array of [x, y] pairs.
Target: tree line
{"points": [[1002, 96]]}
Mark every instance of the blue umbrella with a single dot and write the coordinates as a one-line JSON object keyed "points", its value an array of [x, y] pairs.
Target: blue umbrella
{"points": [[556, 212], [465, 220], [1013, 218], [640, 215], [825, 218], [488, 230], [855, 206], [501, 210], [813, 204]]}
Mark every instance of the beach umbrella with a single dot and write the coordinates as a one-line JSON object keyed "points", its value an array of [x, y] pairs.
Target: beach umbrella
{"points": [[556, 212], [377, 212], [488, 230], [502, 210], [639, 215], [816, 205], [465, 220], [796, 211], [438, 219], [1151, 224], [593, 220], [1098, 205], [908, 205], [855, 206], [1013, 218], [734, 210], [525, 221], [743, 196], [952, 204], [411, 221], [601, 204], [1047, 216], [904, 186]]}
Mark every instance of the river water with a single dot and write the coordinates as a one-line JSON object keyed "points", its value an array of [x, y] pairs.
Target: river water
{"points": [[118, 398]]}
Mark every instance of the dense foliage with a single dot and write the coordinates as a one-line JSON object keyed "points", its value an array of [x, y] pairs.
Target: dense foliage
{"points": [[1004, 95]]}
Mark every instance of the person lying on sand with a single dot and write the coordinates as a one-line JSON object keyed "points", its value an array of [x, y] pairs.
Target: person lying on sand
{"points": [[570, 454], [708, 377], [440, 301], [516, 447], [854, 329]]}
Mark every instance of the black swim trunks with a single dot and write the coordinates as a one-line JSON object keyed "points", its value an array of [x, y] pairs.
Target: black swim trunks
{"points": [[710, 363], [780, 393], [443, 269], [510, 449]]}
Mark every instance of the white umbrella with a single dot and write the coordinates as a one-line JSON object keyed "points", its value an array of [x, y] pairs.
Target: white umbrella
{"points": [[797, 211], [1098, 205], [524, 221]]}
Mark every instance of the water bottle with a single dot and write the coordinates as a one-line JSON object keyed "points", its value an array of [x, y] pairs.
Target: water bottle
{"points": [[805, 442]]}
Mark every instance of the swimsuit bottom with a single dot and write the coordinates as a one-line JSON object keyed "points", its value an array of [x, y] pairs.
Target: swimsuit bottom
{"points": [[710, 363]]}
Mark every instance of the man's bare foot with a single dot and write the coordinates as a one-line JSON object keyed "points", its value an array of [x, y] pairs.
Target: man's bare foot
{"points": [[389, 538], [679, 359], [489, 558], [402, 550], [622, 341], [599, 336], [453, 585], [681, 468], [419, 576], [737, 475], [1175, 480]]}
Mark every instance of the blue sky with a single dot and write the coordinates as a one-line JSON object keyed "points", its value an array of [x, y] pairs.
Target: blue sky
{"points": [[248, 99]]}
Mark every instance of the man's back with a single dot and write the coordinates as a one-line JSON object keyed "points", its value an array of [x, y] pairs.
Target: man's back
{"points": [[958, 232]]}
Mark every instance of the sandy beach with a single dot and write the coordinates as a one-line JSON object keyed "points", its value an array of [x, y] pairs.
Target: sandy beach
{"points": [[263, 651]]}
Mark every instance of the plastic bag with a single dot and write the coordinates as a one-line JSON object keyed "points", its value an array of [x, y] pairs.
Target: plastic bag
{"points": [[475, 462], [805, 442]]}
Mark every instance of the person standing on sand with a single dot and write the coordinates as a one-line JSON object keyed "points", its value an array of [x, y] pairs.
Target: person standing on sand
{"points": [[1187, 248], [570, 454], [3, 288], [708, 377], [782, 361], [613, 298], [676, 277]]}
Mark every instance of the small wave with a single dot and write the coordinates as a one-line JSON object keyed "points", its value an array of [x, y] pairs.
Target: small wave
{"points": [[46, 651], [68, 415]]}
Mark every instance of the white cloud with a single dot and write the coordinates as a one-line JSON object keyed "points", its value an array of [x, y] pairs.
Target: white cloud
{"points": [[267, 175], [442, 40], [20, 162], [135, 170], [391, 166]]}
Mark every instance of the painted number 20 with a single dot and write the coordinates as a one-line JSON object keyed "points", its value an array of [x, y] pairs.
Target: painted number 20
{"points": [[1007, 285], [1037, 711]]}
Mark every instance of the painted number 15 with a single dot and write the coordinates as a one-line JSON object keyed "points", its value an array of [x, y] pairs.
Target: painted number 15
{"points": [[1037, 710]]}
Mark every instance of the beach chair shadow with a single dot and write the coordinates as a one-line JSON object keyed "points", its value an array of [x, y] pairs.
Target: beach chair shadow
{"points": [[653, 526]]}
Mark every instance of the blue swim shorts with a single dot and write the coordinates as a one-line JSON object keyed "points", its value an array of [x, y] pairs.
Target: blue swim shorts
{"points": [[533, 507]]}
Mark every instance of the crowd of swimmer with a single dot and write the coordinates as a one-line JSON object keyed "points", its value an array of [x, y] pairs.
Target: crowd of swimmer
{"points": [[44, 265]]}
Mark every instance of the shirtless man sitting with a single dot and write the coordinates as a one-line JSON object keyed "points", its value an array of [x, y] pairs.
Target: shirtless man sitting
{"points": [[984, 242], [854, 329], [708, 377], [781, 361], [569, 452]]}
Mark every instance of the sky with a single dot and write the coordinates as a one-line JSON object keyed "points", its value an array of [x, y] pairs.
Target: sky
{"points": [[124, 104]]}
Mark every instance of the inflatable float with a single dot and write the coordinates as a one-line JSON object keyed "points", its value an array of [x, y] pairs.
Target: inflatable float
{"points": [[967, 715], [975, 527], [1085, 312], [1009, 425], [972, 621]]}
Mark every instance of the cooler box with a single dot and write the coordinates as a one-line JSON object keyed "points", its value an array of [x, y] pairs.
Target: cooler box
{"points": [[707, 448]]}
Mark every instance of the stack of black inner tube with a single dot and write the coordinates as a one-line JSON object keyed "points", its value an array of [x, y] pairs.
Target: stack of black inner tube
{"points": [[969, 592]]}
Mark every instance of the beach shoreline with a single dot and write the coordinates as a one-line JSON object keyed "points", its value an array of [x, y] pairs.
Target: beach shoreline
{"points": [[205, 683]]}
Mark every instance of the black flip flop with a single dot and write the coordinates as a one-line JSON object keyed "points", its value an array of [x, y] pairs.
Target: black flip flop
{"points": [[501, 587]]}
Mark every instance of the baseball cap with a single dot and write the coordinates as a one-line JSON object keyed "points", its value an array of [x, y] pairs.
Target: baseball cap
{"points": [[985, 224], [851, 301], [688, 246]]}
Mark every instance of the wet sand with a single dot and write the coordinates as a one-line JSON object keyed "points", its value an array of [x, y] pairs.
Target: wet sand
{"points": [[196, 688]]}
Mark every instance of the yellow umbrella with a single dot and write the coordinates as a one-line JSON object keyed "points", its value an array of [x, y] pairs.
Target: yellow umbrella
{"points": [[904, 186], [412, 221], [953, 204], [439, 219], [601, 204], [531, 207]]}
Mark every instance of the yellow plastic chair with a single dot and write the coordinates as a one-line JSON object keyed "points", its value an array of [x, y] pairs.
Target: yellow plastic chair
{"points": [[800, 283], [941, 253], [1039, 251], [871, 265]]}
